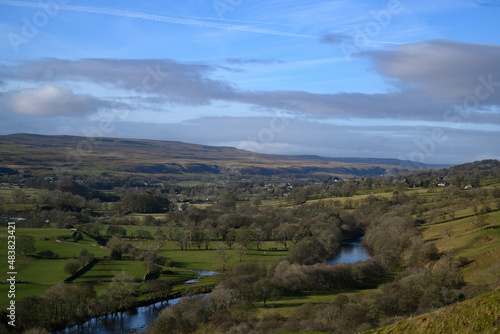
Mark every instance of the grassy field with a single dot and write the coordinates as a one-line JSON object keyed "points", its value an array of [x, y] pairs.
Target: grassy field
{"points": [[43, 273], [481, 248], [105, 270], [70, 250], [47, 234], [363, 194], [37, 271], [287, 305], [194, 258], [131, 229], [22, 290], [30, 192], [478, 315]]}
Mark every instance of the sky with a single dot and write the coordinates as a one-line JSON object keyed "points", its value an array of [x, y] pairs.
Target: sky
{"points": [[405, 79]]}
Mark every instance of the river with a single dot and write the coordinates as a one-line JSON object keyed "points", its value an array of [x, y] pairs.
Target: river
{"points": [[137, 319], [130, 321], [351, 251]]}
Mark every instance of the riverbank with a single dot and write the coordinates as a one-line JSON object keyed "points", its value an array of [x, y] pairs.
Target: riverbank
{"points": [[139, 314]]}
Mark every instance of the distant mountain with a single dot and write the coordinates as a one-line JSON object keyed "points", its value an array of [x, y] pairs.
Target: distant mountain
{"points": [[82, 155]]}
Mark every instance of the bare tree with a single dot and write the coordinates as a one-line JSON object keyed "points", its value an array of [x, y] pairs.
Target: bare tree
{"points": [[222, 256], [241, 250], [72, 267], [264, 289], [122, 290], [448, 230], [160, 239]]}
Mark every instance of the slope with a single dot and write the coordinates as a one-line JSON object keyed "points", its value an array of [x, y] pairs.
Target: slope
{"points": [[82, 155]]}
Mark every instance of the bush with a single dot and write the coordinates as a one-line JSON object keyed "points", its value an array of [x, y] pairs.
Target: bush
{"points": [[48, 254], [72, 267]]}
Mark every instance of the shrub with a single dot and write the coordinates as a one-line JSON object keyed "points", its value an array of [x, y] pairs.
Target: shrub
{"points": [[48, 254], [72, 267]]}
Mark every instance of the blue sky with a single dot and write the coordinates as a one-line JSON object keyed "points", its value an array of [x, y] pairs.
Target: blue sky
{"points": [[416, 80]]}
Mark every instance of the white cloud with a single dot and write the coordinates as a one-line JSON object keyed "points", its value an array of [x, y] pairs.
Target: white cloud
{"points": [[50, 101]]}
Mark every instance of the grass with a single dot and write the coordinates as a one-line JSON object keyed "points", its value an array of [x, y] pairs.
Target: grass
{"points": [[477, 315], [45, 239], [68, 250], [38, 271], [43, 273], [194, 258], [22, 290], [287, 305], [206, 259], [105, 270], [363, 194], [481, 248], [131, 229], [47, 234], [37, 233], [142, 216], [30, 192]]}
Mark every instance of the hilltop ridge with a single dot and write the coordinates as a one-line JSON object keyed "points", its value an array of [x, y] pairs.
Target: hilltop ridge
{"points": [[174, 158]]}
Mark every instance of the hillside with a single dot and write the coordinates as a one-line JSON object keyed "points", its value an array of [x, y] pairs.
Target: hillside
{"points": [[477, 315], [82, 155]]}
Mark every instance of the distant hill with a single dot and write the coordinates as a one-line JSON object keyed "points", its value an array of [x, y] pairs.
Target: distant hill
{"points": [[377, 161], [81, 155]]}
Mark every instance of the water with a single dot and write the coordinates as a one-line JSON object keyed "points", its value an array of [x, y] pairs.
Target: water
{"points": [[140, 318], [351, 252], [131, 321], [201, 273]]}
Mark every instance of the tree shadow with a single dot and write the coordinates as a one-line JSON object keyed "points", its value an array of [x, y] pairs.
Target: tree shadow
{"points": [[83, 270]]}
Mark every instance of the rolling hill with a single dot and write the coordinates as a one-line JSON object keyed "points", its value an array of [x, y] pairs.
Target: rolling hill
{"points": [[477, 315], [82, 155]]}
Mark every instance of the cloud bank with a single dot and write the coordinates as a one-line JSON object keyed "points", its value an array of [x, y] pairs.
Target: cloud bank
{"points": [[430, 79], [452, 85]]}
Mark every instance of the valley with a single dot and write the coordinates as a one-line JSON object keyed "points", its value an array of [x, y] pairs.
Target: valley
{"points": [[118, 240]]}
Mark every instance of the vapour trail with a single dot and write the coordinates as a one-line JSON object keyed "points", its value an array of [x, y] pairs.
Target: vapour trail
{"points": [[159, 18]]}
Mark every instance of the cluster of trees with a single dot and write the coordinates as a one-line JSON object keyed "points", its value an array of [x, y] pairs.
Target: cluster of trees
{"points": [[69, 304], [145, 202], [152, 259], [225, 310], [84, 258], [429, 283]]}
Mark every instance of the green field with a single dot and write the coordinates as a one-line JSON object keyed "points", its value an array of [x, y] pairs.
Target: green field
{"points": [[48, 234], [22, 290], [105, 270], [70, 250], [194, 258], [30, 192], [43, 273], [206, 259]]}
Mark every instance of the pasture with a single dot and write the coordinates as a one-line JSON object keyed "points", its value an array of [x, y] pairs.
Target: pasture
{"points": [[460, 237]]}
